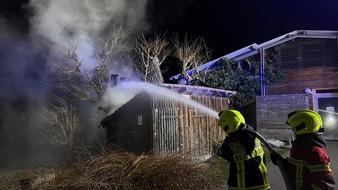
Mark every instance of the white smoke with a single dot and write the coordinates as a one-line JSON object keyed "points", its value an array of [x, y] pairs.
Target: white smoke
{"points": [[78, 22], [25, 74], [117, 96]]}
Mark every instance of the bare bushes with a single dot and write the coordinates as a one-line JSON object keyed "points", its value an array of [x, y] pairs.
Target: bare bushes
{"points": [[61, 123]]}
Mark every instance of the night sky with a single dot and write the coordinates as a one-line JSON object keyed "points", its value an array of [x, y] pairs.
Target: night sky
{"points": [[225, 25], [230, 25]]}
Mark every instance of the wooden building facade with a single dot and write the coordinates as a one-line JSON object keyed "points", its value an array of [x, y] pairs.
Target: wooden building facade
{"points": [[311, 59], [151, 122]]}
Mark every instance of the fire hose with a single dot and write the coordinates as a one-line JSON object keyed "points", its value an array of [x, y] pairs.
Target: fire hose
{"points": [[280, 164]]}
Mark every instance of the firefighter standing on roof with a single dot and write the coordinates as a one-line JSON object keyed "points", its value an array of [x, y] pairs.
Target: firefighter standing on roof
{"points": [[244, 153], [309, 164]]}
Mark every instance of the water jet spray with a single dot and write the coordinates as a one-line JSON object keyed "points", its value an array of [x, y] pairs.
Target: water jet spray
{"points": [[130, 89]]}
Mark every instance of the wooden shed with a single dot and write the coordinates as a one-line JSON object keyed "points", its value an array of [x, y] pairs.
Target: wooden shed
{"points": [[151, 122]]}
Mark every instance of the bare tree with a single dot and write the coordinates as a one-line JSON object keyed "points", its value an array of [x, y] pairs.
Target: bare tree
{"points": [[89, 84], [114, 46], [150, 54], [192, 53]]}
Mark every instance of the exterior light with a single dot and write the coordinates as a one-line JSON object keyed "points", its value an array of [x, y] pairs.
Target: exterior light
{"points": [[307, 91]]}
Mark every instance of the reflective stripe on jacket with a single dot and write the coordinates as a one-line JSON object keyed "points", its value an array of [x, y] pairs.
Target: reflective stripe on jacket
{"points": [[309, 168]]}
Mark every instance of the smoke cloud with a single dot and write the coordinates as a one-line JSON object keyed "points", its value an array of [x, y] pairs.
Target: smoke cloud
{"points": [[25, 75], [78, 22]]}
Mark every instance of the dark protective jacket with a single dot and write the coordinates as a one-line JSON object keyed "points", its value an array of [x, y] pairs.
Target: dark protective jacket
{"points": [[247, 161], [309, 164]]}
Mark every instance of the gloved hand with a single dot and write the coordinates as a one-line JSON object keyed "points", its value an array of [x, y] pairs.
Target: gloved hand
{"points": [[274, 157]]}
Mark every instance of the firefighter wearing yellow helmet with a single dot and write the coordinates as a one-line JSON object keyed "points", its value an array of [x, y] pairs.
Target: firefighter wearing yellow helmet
{"points": [[305, 122], [230, 120], [308, 164], [244, 153]]}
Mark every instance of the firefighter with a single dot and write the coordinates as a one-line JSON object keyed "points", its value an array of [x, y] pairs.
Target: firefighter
{"points": [[244, 153], [308, 165]]}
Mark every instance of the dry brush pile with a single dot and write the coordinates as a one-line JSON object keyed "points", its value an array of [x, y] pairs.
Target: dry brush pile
{"points": [[121, 170]]}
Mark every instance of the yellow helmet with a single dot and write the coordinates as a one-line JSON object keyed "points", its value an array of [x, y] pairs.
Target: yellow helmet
{"points": [[304, 121], [230, 120]]}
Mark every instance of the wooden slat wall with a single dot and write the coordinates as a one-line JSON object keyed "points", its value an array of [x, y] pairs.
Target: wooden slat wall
{"points": [[309, 52], [181, 129], [299, 79], [272, 114]]}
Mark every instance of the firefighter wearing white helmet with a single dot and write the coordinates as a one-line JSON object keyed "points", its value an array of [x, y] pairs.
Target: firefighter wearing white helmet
{"points": [[308, 164], [244, 153]]}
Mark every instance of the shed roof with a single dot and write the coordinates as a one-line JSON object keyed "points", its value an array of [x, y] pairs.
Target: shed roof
{"points": [[255, 48]]}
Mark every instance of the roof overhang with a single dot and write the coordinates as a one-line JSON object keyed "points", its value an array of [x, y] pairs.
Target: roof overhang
{"points": [[199, 90]]}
